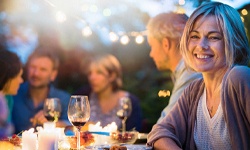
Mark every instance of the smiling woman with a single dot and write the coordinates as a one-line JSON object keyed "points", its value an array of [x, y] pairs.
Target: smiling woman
{"points": [[214, 43]]}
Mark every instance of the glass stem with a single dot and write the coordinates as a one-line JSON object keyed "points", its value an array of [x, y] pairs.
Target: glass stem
{"points": [[124, 125], [78, 138]]}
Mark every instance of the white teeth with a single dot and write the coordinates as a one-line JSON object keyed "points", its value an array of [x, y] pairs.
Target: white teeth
{"points": [[202, 56]]}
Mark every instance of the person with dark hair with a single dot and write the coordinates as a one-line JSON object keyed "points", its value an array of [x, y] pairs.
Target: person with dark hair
{"points": [[42, 68], [213, 112], [164, 33], [10, 79]]}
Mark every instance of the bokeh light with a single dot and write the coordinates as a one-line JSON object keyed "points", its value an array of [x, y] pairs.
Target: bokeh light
{"points": [[124, 40]]}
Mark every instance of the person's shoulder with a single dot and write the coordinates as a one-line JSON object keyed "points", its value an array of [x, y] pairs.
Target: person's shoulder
{"points": [[132, 96], [22, 92], [239, 73], [240, 70], [23, 87]]}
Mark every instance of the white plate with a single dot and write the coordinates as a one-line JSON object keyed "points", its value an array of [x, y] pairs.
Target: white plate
{"points": [[138, 147], [142, 136]]}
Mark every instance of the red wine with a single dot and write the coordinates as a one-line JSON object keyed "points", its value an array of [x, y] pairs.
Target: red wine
{"points": [[50, 118], [52, 115], [78, 123]]}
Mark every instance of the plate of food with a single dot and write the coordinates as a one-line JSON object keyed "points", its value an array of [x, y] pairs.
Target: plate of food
{"points": [[13, 142]]}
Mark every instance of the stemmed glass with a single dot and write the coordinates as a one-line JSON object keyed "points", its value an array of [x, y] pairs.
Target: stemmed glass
{"points": [[52, 109], [124, 111], [78, 113]]}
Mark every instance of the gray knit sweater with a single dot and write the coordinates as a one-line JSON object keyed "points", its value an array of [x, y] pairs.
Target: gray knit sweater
{"points": [[235, 100]]}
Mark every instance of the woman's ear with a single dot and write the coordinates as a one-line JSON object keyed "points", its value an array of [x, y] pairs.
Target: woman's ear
{"points": [[112, 77]]}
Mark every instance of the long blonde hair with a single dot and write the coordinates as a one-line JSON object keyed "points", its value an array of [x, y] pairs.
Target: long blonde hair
{"points": [[228, 19]]}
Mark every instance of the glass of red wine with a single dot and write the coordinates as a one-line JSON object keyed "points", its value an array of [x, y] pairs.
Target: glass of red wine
{"points": [[124, 110], [78, 113], [52, 109]]}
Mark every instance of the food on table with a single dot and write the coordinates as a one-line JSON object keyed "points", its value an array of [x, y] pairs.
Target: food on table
{"points": [[16, 140], [6, 145], [13, 141], [117, 147], [86, 139], [126, 137]]}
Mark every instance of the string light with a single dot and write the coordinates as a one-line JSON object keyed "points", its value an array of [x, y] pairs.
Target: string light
{"points": [[139, 39], [124, 40], [113, 37], [60, 17], [244, 12], [242, 19], [106, 12], [181, 2], [164, 93], [87, 28], [86, 31]]}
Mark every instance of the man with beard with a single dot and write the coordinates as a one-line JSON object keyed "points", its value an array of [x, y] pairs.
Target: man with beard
{"points": [[42, 68]]}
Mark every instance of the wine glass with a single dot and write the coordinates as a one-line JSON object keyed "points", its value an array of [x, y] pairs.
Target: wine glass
{"points": [[124, 111], [52, 109], [78, 113]]}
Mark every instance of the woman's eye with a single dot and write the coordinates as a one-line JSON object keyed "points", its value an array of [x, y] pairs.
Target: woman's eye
{"points": [[214, 38], [194, 37]]}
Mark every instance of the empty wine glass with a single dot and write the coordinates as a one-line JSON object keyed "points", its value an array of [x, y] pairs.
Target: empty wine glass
{"points": [[78, 113], [124, 110], [52, 109]]}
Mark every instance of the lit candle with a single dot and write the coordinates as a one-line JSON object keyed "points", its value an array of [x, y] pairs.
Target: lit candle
{"points": [[48, 138], [102, 139], [29, 140], [49, 125]]}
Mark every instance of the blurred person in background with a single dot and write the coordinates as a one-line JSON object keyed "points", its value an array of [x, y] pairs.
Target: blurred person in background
{"points": [[164, 32], [10, 79], [105, 79], [214, 111], [42, 69]]}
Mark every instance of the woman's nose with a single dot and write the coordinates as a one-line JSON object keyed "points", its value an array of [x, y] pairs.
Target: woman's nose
{"points": [[203, 44]]}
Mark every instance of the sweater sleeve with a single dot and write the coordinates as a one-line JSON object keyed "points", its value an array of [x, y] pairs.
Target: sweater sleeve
{"points": [[178, 124], [236, 101]]}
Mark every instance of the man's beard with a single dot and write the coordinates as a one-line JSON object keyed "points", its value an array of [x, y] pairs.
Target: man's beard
{"points": [[39, 86]]}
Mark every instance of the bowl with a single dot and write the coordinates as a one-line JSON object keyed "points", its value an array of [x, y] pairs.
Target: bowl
{"points": [[128, 137]]}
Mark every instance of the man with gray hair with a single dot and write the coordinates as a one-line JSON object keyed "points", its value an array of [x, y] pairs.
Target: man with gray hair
{"points": [[164, 32]]}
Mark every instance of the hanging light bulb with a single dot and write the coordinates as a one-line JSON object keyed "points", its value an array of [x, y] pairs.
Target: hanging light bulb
{"points": [[182, 2], [60, 17], [139, 39], [86, 31], [106, 12], [124, 39], [113, 37], [244, 12]]}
